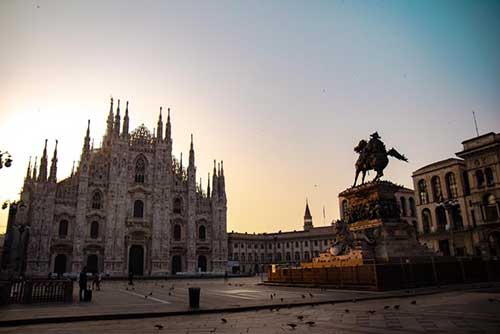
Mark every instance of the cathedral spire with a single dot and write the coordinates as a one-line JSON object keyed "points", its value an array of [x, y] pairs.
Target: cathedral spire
{"points": [[208, 186], [215, 182], [34, 169], [191, 153], [53, 166], [73, 168], [125, 122], [86, 141], [110, 123], [181, 162], [42, 175], [159, 128], [28, 171], [117, 120], [168, 128]]}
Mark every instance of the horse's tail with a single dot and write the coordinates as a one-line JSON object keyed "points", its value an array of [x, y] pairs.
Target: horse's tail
{"points": [[393, 153]]}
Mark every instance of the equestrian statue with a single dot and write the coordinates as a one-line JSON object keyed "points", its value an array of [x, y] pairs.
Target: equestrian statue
{"points": [[373, 156]]}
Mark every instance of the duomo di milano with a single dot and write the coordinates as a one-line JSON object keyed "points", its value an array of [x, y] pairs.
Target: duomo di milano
{"points": [[128, 206]]}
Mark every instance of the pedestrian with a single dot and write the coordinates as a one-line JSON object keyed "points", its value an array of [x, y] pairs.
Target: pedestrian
{"points": [[82, 279], [225, 276], [96, 281], [131, 278]]}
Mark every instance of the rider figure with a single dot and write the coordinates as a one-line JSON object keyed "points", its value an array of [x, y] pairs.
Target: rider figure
{"points": [[375, 145]]}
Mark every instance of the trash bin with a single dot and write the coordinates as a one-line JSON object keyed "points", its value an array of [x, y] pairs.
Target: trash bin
{"points": [[194, 297]]}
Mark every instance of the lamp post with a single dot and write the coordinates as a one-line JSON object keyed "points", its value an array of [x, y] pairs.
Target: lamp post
{"points": [[448, 206]]}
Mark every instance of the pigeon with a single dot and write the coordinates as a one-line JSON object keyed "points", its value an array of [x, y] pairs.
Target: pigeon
{"points": [[413, 302], [396, 307], [145, 297], [292, 325], [271, 296], [310, 323], [310, 295], [162, 286], [300, 317], [126, 288], [169, 293], [229, 284], [223, 320], [371, 312], [346, 311], [386, 307], [303, 296], [151, 293], [281, 300], [159, 327]]}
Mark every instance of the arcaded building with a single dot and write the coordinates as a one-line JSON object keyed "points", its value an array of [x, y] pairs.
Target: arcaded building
{"points": [[129, 206], [457, 206], [253, 253]]}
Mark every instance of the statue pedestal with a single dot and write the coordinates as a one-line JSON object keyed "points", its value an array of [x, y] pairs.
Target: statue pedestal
{"points": [[375, 232]]}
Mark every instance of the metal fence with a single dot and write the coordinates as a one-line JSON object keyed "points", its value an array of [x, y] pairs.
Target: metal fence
{"points": [[390, 276], [36, 291]]}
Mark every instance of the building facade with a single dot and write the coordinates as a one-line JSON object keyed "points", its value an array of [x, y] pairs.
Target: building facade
{"points": [[129, 206], [457, 204], [253, 253]]}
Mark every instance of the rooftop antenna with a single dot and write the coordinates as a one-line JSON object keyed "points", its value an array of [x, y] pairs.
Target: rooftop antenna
{"points": [[475, 123]]}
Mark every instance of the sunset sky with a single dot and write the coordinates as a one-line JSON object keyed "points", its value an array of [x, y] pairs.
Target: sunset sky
{"points": [[280, 90]]}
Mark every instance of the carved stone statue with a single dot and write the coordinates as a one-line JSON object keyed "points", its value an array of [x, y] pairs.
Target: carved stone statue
{"points": [[344, 240], [373, 156]]}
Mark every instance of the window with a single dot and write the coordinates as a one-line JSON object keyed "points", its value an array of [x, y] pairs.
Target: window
{"points": [[306, 243], [97, 200], [413, 209], [278, 257], [451, 185], [255, 246], [456, 217], [403, 206], [306, 256], [140, 170], [262, 258], [296, 244], [441, 218], [437, 192], [288, 256], [63, 229], [249, 257], [235, 245], [426, 221], [279, 245], [236, 256], [287, 245], [177, 205], [262, 246], [465, 179], [177, 232], [138, 209], [202, 233], [479, 178], [94, 230], [415, 226], [315, 242], [473, 216], [325, 242], [297, 256], [490, 207], [243, 257], [422, 192], [489, 176], [270, 246]]}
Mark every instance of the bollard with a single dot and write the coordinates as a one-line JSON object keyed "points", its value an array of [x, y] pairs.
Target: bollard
{"points": [[194, 298]]}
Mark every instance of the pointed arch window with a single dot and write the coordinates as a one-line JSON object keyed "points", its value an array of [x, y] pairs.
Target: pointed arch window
{"points": [[177, 232], [138, 209], [63, 229], [403, 206], [422, 192], [94, 230], [97, 201], [451, 185], [413, 209], [140, 170], [178, 205], [202, 233]]}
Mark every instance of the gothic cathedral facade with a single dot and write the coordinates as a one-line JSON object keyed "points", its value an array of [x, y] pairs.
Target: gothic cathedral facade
{"points": [[129, 206]]}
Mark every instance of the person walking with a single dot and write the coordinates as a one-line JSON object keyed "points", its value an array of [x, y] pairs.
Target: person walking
{"points": [[82, 280]]}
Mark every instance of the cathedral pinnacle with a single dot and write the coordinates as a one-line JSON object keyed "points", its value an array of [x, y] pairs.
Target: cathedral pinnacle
{"points": [[125, 122], [42, 175], [191, 153], [28, 171], [159, 131], [168, 129], [53, 166], [117, 120]]}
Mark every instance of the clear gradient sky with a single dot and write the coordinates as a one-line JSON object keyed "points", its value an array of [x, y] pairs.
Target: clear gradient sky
{"points": [[280, 90]]}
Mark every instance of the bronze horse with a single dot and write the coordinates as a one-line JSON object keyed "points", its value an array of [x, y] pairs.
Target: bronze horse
{"points": [[376, 161]]}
